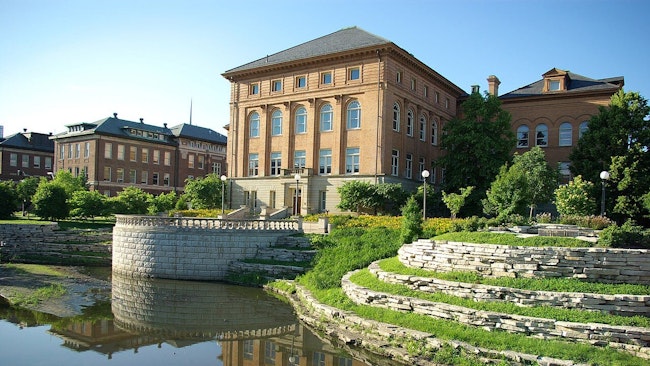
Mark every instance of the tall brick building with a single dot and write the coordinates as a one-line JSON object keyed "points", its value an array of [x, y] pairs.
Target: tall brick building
{"points": [[25, 154], [116, 153]]}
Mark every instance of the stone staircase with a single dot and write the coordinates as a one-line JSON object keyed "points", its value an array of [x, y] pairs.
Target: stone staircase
{"points": [[288, 258], [631, 339]]}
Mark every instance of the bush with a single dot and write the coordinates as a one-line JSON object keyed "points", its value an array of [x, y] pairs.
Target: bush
{"points": [[411, 221], [544, 218], [589, 221], [436, 226], [628, 235], [574, 198]]}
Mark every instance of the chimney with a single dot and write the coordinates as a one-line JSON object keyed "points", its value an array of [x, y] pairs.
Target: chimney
{"points": [[114, 115], [24, 130], [165, 124], [141, 120], [476, 89], [493, 85]]}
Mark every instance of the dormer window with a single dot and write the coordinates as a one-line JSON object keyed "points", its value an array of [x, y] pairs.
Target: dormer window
{"points": [[554, 85]]}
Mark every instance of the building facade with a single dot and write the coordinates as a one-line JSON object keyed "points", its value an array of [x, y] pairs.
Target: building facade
{"points": [[26, 154], [346, 106], [116, 153]]}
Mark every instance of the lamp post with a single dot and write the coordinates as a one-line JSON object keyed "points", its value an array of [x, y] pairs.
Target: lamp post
{"points": [[297, 178], [223, 189], [425, 175], [604, 176]]}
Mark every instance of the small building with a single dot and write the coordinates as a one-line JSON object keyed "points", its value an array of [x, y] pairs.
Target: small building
{"points": [[26, 154]]}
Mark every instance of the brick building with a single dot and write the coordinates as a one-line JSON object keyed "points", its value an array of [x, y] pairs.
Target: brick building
{"points": [[116, 153], [346, 106], [26, 154]]}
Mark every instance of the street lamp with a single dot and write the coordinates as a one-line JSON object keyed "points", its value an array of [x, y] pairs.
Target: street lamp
{"points": [[297, 178], [223, 189], [425, 175], [604, 176]]}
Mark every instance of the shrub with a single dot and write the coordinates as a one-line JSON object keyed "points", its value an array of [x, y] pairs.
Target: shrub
{"points": [[544, 218], [411, 221], [574, 198], [590, 221], [436, 226], [628, 235]]}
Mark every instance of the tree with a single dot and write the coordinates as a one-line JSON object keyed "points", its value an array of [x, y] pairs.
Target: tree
{"points": [[131, 201], [359, 195], [8, 199], [50, 201], [541, 178], [162, 203], [87, 204], [476, 145], [69, 183], [509, 193], [26, 189], [621, 130], [204, 192], [456, 201], [575, 198], [411, 221]]}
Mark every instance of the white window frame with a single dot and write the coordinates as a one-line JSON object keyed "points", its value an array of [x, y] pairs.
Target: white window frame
{"points": [[353, 115], [301, 120], [409, 166], [325, 161], [352, 158], [566, 134], [541, 135], [276, 163], [410, 121], [396, 117], [254, 125], [523, 136], [276, 123], [423, 128], [326, 118], [253, 164], [394, 163]]}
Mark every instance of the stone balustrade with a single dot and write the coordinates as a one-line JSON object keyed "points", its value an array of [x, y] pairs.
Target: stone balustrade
{"points": [[208, 223], [627, 305], [607, 265]]}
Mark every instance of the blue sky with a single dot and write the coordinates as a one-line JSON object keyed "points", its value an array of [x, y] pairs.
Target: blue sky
{"points": [[70, 61]]}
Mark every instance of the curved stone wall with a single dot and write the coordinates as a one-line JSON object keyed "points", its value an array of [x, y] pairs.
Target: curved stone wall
{"points": [[189, 248], [607, 265]]}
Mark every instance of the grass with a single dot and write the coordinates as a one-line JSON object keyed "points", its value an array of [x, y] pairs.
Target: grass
{"points": [[273, 262], [366, 279], [35, 269], [513, 240], [41, 294], [393, 265]]}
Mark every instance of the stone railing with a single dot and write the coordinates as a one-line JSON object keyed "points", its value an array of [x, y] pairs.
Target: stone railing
{"points": [[635, 340], [607, 265], [615, 304], [208, 223]]}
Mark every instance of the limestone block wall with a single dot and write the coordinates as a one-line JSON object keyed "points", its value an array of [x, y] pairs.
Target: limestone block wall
{"points": [[608, 265], [189, 248], [614, 304]]}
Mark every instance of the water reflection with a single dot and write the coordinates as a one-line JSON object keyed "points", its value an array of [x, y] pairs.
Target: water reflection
{"points": [[249, 326]]}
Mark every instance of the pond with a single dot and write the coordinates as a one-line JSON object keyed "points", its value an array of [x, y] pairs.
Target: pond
{"points": [[166, 322]]}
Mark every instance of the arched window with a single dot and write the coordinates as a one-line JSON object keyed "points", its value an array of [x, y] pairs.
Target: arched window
{"points": [[566, 134], [522, 136], [396, 117], [276, 123], [354, 115], [584, 126], [254, 125], [423, 128], [326, 117], [410, 120], [301, 120], [434, 132], [541, 135]]}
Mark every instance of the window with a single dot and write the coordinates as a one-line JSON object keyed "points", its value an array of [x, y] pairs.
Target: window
{"points": [[166, 179], [447, 103], [269, 352], [132, 176], [272, 199], [62, 152], [254, 89], [168, 158], [522, 136], [86, 149], [154, 179], [69, 151], [276, 123], [76, 171], [276, 85], [156, 156], [563, 168], [254, 125], [409, 166], [144, 155], [299, 159], [253, 165], [13, 159], [421, 164], [436, 97], [394, 163], [345, 361], [354, 115], [120, 152], [133, 153], [541, 135], [77, 150], [25, 161], [426, 91], [301, 120], [120, 175], [249, 349], [326, 77], [216, 168], [48, 162], [201, 161], [423, 128], [326, 117], [354, 73], [566, 134], [144, 177], [554, 85], [434, 132], [301, 81], [276, 163], [398, 77], [413, 84], [584, 126], [322, 201], [37, 161], [409, 123], [318, 359], [396, 117], [190, 161], [107, 173], [108, 150], [352, 160], [325, 161]]}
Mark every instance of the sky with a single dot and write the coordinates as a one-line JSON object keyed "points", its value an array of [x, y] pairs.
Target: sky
{"points": [[64, 62]]}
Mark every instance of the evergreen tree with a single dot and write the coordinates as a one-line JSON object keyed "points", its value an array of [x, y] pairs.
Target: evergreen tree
{"points": [[411, 221]]}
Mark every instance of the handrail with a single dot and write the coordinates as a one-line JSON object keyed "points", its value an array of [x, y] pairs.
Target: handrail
{"points": [[208, 223]]}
